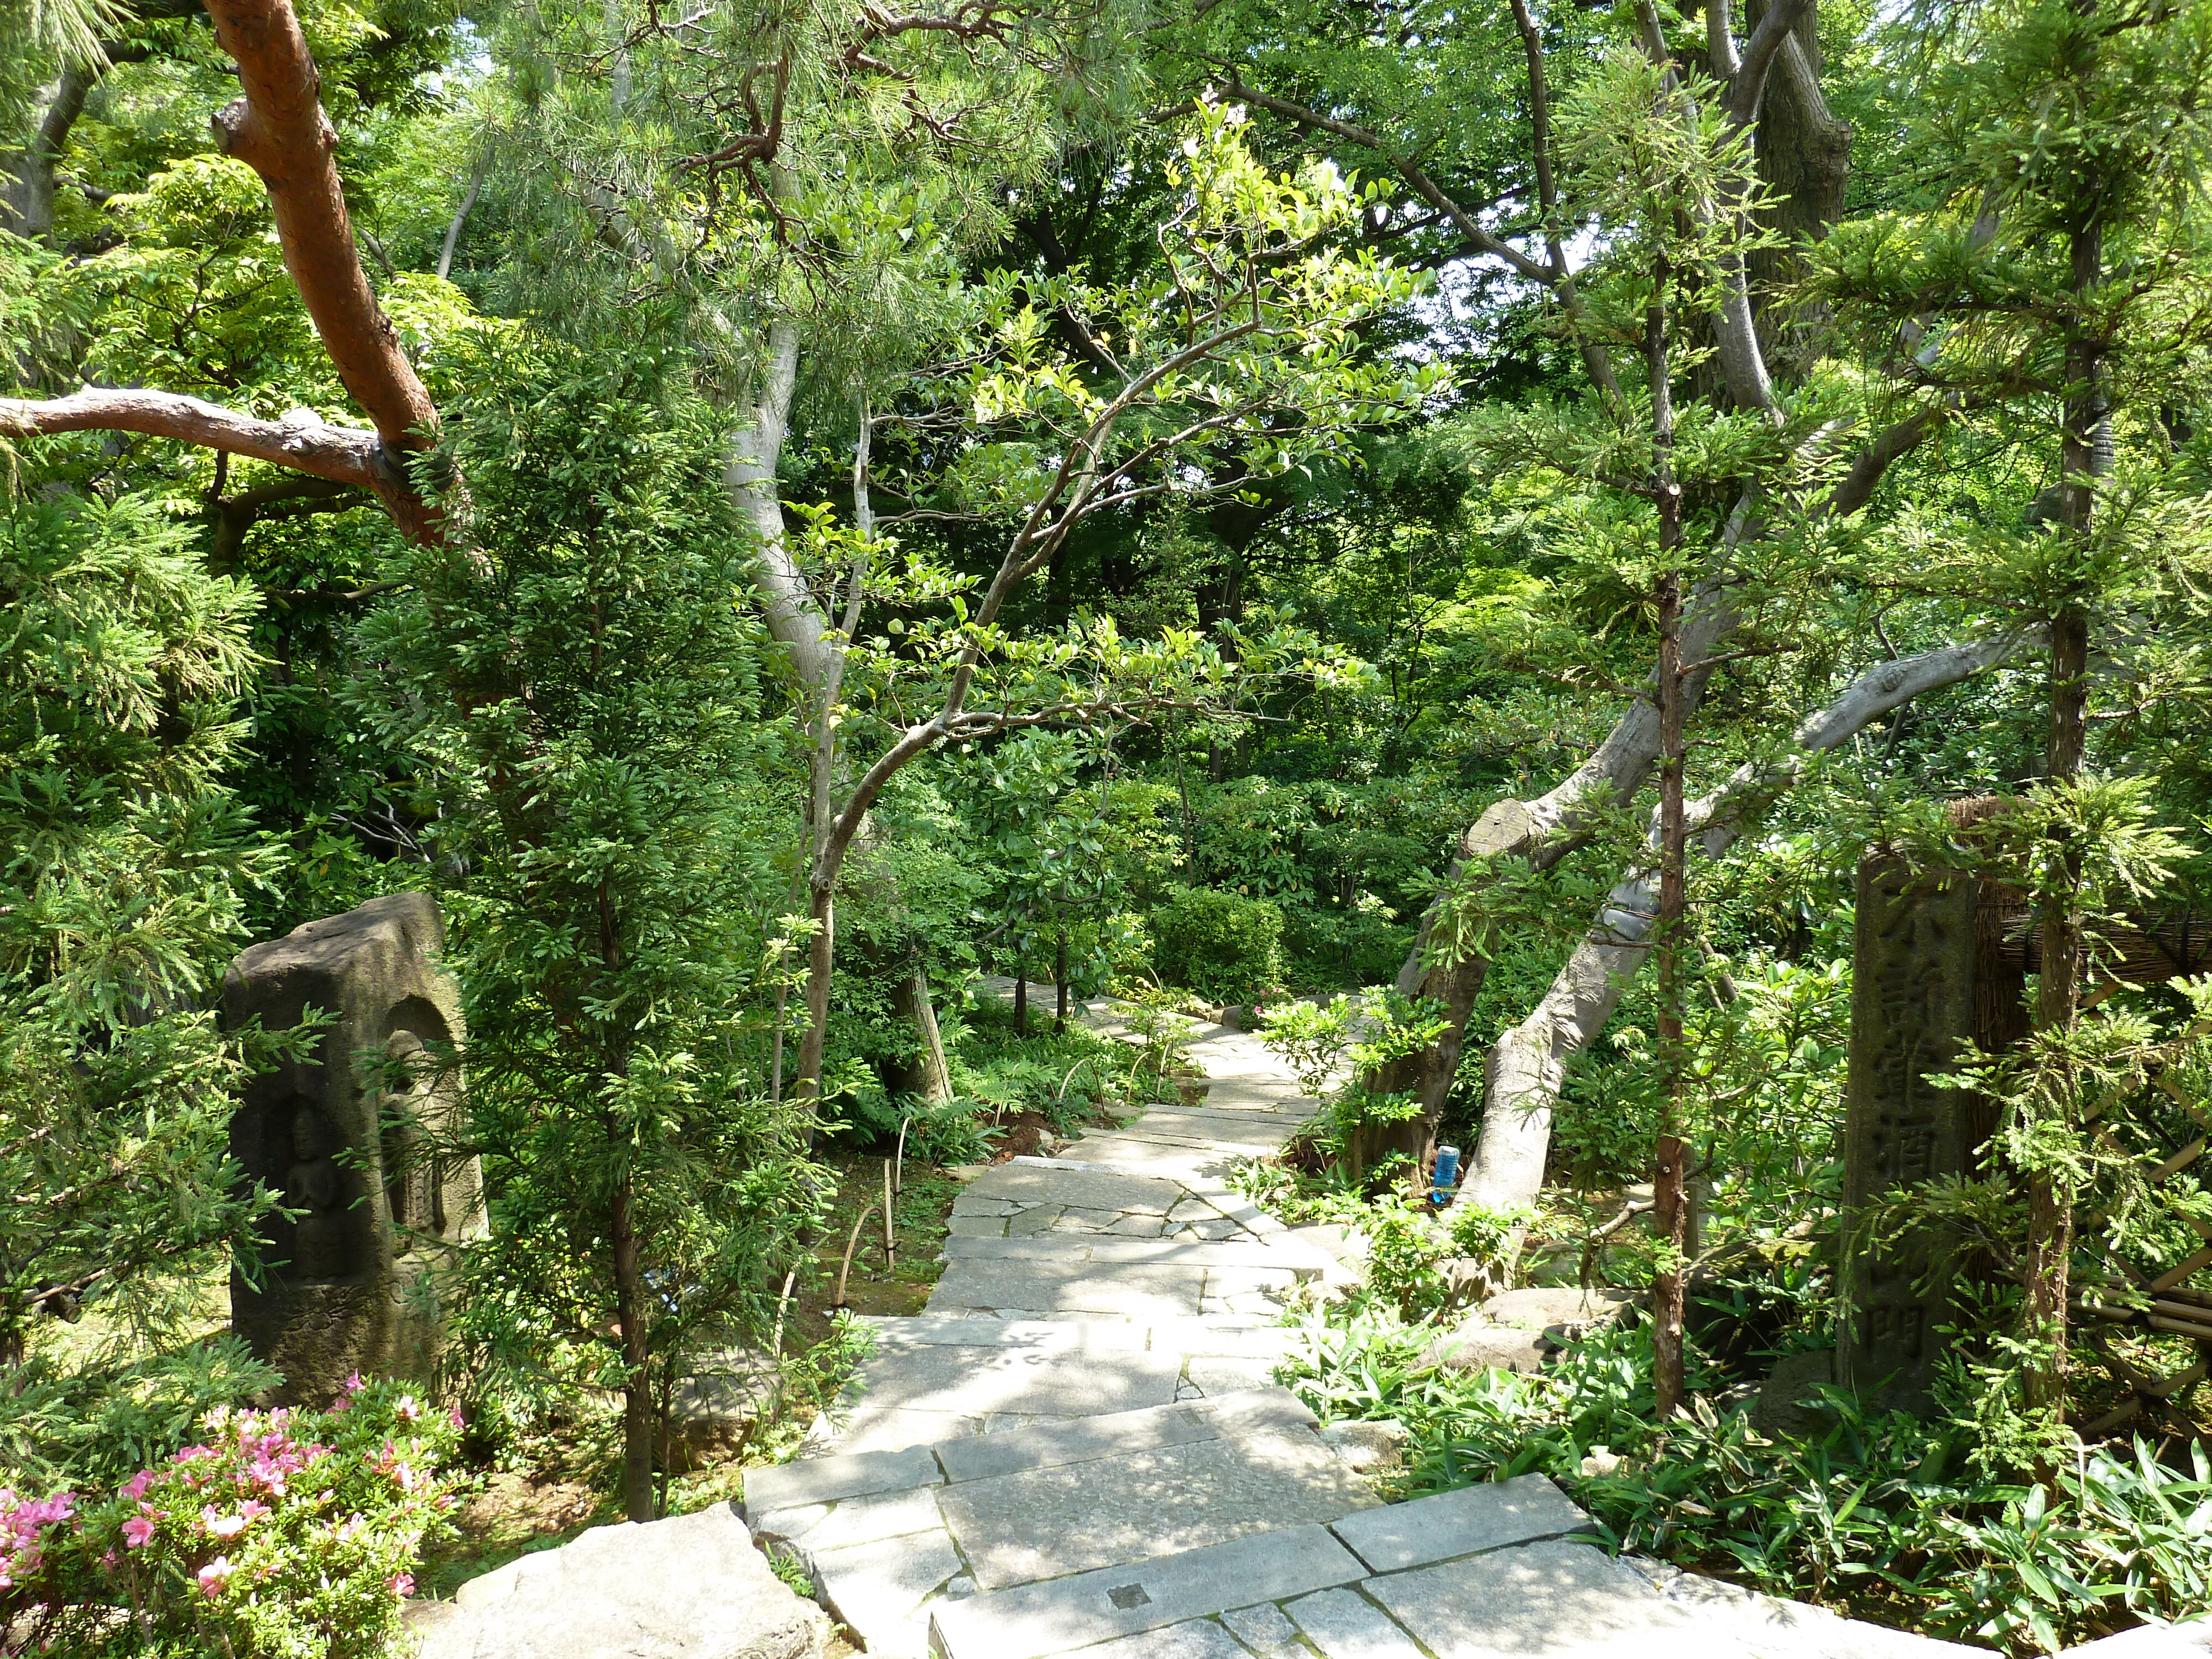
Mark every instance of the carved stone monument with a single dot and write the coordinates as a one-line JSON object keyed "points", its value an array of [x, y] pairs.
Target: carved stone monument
{"points": [[1913, 1012], [345, 1283]]}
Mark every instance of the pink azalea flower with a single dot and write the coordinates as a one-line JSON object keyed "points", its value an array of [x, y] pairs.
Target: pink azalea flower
{"points": [[136, 1487], [138, 1530], [407, 1410], [401, 1585], [213, 1576], [353, 1384], [456, 1418]]}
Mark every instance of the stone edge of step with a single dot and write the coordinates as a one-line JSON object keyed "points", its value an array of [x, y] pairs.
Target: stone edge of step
{"points": [[1061, 1615], [842, 1476]]}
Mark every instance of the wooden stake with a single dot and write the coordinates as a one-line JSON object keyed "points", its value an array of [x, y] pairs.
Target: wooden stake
{"points": [[783, 1302], [890, 1241], [852, 1244]]}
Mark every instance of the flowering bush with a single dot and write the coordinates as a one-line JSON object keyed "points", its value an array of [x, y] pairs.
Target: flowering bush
{"points": [[280, 1536]]}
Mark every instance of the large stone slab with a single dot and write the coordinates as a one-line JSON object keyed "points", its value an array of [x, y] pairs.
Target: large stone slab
{"points": [[1196, 1639], [1344, 1624], [1166, 1252], [973, 1380], [1462, 1523], [1912, 1012], [879, 1590], [977, 1330], [693, 1585], [1776, 1629], [830, 1479], [1064, 1614], [1046, 1523], [1540, 1599], [1139, 1291], [1082, 1441], [1052, 1180]]}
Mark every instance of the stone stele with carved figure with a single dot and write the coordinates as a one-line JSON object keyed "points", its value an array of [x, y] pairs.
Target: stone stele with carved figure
{"points": [[349, 1280]]}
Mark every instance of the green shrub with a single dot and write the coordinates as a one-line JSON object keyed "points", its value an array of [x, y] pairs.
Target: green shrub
{"points": [[1222, 945], [283, 1535]]}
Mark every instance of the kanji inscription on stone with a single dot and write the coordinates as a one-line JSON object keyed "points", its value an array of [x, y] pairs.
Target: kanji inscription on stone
{"points": [[1912, 1012]]}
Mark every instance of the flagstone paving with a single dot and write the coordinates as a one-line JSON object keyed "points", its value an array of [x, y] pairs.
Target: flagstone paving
{"points": [[1078, 1449]]}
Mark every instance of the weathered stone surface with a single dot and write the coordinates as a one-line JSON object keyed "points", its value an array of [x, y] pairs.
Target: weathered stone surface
{"points": [[1045, 1524], [1139, 1291], [1266, 1630], [1060, 1181], [854, 1521], [878, 1588], [1493, 1515], [1196, 1639], [1795, 1377], [827, 1479], [1064, 1614], [1082, 1440], [1344, 1624], [1565, 1312], [693, 1585], [1913, 1012], [975, 1381], [1554, 1598], [1215, 1376], [1368, 1446], [1768, 1627], [1472, 1346], [710, 1410], [349, 1284]]}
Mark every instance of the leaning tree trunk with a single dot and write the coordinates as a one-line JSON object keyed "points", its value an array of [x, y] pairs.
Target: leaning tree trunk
{"points": [[750, 467], [1528, 1066], [1449, 970], [926, 1075]]}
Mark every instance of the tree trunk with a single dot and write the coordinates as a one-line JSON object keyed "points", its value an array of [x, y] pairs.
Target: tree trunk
{"points": [[1803, 154], [1668, 1197], [26, 201], [927, 1075], [820, 961], [1059, 984], [630, 1297], [1543, 831], [2084, 456], [1529, 1064], [279, 129], [1022, 998]]}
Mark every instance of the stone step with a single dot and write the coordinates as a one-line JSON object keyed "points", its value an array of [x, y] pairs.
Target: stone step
{"points": [[891, 1537], [939, 1376], [1281, 1254], [1504, 1571], [1334, 1580]]}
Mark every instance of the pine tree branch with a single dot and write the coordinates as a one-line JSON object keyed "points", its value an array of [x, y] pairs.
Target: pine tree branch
{"points": [[343, 454]]}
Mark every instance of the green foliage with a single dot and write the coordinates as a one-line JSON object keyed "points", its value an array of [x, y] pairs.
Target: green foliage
{"points": [[579, 695], [280, 1536], [1223, 945], [120, 896]]}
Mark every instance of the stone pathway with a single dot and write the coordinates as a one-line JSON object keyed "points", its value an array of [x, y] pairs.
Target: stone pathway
{"points": [[1076, 1449]]}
